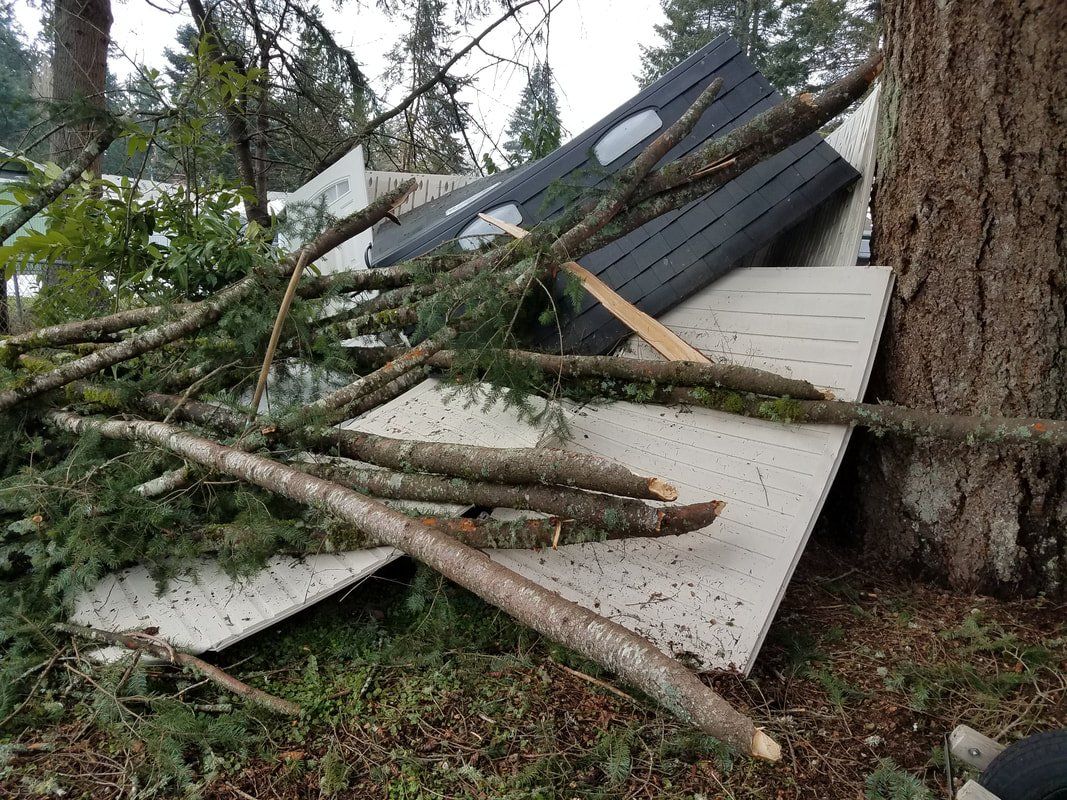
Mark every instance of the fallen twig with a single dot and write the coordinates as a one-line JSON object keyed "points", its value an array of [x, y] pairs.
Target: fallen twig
{"points": [[160, 648]]}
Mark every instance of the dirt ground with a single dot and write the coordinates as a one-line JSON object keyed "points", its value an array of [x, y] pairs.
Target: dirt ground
{"points": [[414, 689]]}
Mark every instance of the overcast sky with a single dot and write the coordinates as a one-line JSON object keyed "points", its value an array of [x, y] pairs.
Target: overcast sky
{"points": [[593, 47]]}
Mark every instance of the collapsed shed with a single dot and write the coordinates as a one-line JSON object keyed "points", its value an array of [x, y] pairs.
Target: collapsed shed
{"points": [[710, 594]]}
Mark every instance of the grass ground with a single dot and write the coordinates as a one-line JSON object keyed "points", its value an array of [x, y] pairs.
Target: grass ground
{"points": [[415, 690]]}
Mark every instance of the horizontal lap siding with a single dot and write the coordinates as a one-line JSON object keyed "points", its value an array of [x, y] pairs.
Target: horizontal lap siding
{"points": [[713, 593], [209, 610]]}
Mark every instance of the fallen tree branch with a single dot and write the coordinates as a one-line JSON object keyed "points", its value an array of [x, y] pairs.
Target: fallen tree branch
{"points": [[620, 515], [674, 185], [340, 403], [678, 373], [519, 534], [48, 193], [612, 204], [81, 331], [879, 418], [390, 391], [511, 465], [199, 315], [283, 310], [161, 649], [631, 657]]}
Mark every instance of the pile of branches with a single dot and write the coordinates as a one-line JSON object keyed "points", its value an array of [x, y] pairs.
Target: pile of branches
{"points": [[161, 399]]}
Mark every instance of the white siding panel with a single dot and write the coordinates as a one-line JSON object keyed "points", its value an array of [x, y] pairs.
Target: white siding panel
{"points": [[832, 234], [207, 610], [429, 187], [426, 412], [712, 594]]}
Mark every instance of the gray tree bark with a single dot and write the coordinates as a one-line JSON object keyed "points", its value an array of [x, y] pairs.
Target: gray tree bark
{"points": [[970, 214]]}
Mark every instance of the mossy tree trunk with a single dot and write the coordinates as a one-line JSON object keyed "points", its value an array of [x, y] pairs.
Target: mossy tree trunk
{"points": [[970, 214]]}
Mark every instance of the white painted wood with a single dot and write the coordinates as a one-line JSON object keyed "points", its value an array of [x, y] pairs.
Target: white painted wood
{"points": [[344, 187], [709, 594], [712, 594], [429, 413], [207, 610], [974, 791], [429, 187], [974, 749], [832, 234]]}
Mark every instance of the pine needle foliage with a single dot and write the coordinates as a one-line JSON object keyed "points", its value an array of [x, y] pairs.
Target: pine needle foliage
{"points": [[889, 782]]}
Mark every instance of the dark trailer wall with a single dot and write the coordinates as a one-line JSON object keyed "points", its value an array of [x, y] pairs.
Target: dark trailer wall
{"points": [[665, 261]]}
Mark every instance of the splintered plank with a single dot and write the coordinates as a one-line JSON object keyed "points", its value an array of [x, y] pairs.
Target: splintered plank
{"points": [[659, 337]]}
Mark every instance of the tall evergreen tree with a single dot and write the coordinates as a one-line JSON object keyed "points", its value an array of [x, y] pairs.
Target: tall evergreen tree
{"points": [[535, 129], [427, 137], [18, 65], [82, 33], [797, 44]]}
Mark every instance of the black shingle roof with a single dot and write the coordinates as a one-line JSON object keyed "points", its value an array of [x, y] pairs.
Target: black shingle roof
{"points": [[665, 261]]}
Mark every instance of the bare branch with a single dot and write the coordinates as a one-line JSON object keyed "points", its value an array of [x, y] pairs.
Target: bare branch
{"points": [[376, 122], [160, 648]]}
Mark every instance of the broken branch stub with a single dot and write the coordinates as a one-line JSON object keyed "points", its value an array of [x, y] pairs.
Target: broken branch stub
{"points": [[621, 516], [623, 652]]}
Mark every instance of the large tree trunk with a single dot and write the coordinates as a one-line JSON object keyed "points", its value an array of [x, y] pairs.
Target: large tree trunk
{"points": [[970, 214], [79, 72]]}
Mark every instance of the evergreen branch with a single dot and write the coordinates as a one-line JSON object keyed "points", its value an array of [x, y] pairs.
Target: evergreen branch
{"points": [[678, 373], [202, 313]]}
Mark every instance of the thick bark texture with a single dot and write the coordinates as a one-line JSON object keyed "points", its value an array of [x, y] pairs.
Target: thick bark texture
{"points": [[970, 214], [608, 643], [79, 71]]}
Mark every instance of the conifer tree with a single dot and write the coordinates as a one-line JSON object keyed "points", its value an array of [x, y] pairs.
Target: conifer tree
{"points": [[797, 44], [426, 137], [17, 67], [535, 129]]}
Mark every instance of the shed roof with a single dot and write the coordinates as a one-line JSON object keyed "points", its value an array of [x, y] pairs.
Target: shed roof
{"points": [[667, 260]]}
